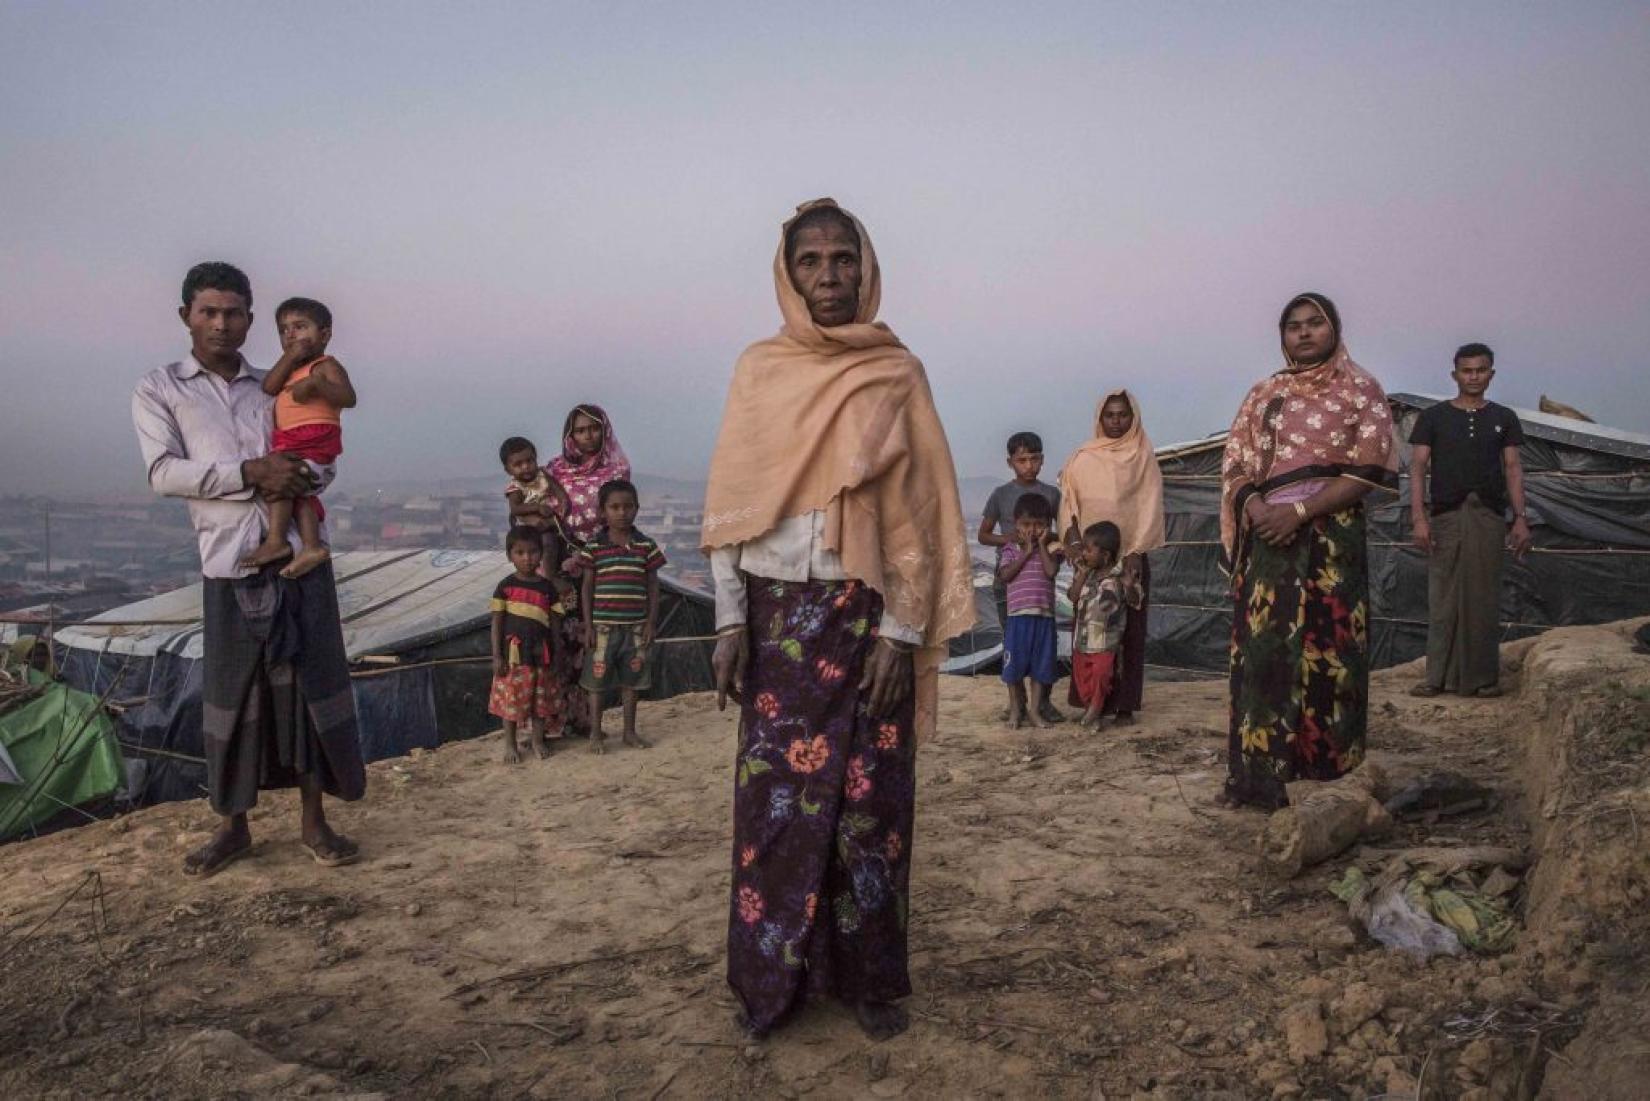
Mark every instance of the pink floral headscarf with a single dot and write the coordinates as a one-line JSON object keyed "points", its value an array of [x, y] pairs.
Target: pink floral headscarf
{"points": [[1326, 421], [583, 475]]}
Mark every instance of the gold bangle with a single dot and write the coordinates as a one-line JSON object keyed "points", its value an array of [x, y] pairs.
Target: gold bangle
{"points": [[1300, 510]]}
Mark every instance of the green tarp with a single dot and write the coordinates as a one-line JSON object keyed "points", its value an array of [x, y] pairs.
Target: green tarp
{"points": [[62, 745]]}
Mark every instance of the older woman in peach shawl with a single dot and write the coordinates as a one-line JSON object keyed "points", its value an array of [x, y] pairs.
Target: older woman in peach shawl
{"points": [[1115, 477], [841, 567]]}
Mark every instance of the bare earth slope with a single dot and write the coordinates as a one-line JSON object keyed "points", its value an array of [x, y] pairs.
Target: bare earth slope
{"points": [[1085, 924]]}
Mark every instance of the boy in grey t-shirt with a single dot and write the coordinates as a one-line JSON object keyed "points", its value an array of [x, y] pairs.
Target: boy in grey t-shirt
{"points": [[1025, 459]]}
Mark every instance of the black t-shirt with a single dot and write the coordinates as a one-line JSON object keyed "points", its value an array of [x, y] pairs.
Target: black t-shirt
{"points": [[1466, 452]]}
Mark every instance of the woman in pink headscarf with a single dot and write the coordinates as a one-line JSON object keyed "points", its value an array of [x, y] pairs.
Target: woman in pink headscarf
{"points": [[590, 456]]}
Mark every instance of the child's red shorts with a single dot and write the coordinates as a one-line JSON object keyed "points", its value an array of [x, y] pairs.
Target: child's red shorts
{"points": [[1092, 676], [318, 443]]}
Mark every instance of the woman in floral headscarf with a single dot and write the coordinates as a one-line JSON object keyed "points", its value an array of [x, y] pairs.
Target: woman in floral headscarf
{"points": [[1309, 443], [590, 456]]}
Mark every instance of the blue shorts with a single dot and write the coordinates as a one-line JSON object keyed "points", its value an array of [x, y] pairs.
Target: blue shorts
{"points": [[1030, 649]]}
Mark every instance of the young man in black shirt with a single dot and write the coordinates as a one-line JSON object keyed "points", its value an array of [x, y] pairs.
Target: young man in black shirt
{"points": [[1469, 447]]}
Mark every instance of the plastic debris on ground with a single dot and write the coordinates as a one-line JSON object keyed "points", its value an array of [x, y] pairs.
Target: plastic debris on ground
{"points": [[1431, 902]]}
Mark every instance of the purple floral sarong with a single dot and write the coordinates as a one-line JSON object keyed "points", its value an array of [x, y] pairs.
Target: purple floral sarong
{"points": [[822, 809]]}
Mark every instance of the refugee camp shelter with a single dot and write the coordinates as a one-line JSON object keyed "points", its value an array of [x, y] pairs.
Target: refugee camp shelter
{"points": [[1588, 493], [417, 632], [57, 751]]}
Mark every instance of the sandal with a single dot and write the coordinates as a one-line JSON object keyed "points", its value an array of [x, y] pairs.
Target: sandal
{"points": [[334, 853]]}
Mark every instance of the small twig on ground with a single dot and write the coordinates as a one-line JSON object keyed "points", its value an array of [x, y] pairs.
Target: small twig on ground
{"points": [[1421, 1078], [556, 968], [1195, 812], [665, 1085], [485, 1054], [92, 876], [558, 1037]]}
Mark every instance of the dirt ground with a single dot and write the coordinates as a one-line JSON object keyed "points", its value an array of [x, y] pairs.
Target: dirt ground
{"points": [[1085, 924]]}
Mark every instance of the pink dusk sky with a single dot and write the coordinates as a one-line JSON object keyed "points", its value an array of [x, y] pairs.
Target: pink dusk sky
{"points": [[513, 208]]}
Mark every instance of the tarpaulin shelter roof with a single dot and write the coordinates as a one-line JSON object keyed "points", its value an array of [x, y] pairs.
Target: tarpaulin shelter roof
{"points": [[388, 601], [416, 629]]}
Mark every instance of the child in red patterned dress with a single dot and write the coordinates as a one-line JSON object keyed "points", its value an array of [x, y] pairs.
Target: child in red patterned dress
{"points": [[524, 647]]}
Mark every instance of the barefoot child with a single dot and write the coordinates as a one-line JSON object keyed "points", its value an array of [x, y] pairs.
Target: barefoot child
{"points": [[1030, 646], [1099, 595], [620, 604], [524, 641], [311, 389], [1025, 459]]}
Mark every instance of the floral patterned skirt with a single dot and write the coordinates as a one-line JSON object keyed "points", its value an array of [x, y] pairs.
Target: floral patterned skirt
{"points": [[822, 811], [527, 694], [1300, 667]]}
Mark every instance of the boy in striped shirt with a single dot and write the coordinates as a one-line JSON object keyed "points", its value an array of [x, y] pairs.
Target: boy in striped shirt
{"points": [[621, 608]]}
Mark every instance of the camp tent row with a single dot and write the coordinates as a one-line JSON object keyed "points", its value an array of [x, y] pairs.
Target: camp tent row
{"points": [[415, 622]]}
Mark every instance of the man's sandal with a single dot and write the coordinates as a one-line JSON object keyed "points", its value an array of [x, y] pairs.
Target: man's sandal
{"points": [[336, 853]]}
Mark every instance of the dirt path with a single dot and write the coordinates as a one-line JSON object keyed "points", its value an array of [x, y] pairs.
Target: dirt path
{"points": [[1085, 924]]}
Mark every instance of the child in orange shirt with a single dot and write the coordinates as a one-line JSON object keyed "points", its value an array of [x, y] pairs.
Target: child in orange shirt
{"points": [[311, 389]]}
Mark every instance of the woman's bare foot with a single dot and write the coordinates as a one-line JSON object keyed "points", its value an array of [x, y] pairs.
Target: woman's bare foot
{"points": [[228, 845], [751, 1032], [512, 752], [265, 554], [307, 560], [881, 1020], [631, 738], [541, 745]]}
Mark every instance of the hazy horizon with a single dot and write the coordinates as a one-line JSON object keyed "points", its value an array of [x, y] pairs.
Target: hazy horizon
{"points": [[520, 207]]}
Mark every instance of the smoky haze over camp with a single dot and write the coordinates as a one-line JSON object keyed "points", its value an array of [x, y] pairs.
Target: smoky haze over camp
{"points": [[511, 209]]}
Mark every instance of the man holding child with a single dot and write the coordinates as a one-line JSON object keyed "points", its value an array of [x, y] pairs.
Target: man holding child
{"points": [[276, 706]]}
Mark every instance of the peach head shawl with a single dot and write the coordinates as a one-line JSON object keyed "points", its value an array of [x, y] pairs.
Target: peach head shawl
{"points": [[1116, 480], [841, 419]]}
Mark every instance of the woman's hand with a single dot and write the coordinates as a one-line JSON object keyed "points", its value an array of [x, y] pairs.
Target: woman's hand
{"points": [[1277, 524], [889, 672], [728, 664]]}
